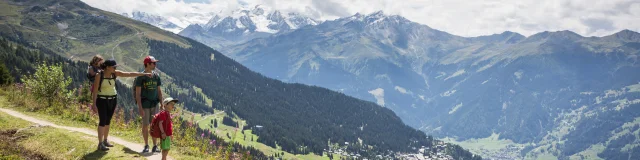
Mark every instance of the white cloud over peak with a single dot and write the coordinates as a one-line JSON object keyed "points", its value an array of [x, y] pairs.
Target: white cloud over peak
{"points": [[459, 17]]}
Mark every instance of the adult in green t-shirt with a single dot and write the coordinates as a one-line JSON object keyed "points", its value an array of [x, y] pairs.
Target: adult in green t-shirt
{"points": [[148, 96]]}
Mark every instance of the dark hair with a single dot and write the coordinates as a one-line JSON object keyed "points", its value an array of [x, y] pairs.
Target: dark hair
{"points": [[108, 63]]}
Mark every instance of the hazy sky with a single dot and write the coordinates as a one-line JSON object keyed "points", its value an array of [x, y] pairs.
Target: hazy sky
{"points": [[459, 17]]}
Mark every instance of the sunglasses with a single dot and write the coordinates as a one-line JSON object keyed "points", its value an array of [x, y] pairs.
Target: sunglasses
{"points": [[154, 63]]}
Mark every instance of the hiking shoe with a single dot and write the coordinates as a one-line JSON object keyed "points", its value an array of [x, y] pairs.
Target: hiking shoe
{"points": [[107, 144], [155, 149], [102, 147], [146, 149]]}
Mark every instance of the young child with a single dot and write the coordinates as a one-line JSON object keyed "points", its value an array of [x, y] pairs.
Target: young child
{"points": [[166, 126]]}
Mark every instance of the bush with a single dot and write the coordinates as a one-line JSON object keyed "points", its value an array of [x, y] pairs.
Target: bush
{"points": [[49, 84]]}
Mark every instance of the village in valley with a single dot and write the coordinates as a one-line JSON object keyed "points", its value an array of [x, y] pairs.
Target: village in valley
{"points": [[437, 152]]}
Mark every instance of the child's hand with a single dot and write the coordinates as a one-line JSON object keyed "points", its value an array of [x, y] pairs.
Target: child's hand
{"points": [[163, 136]]}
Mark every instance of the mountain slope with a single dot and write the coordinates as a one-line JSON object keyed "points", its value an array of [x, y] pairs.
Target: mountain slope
{"points": [[298, 118], [520, 88]]}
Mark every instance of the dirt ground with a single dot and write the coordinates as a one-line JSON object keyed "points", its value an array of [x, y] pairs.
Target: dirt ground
{"points": [[10, 149]]}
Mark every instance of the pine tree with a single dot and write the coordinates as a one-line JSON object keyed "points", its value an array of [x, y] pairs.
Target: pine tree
{"points": [[5, 76]]}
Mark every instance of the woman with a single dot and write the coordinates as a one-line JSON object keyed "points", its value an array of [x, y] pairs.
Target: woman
{"points": [[104, 97]]}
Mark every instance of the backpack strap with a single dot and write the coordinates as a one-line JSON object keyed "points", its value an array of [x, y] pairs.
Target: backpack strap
{"points": [[100, 84], [113, 76]]}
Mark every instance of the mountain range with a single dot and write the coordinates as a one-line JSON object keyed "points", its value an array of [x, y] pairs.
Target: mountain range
{"points": [[553, 94], [297, 118], [245, 24]]}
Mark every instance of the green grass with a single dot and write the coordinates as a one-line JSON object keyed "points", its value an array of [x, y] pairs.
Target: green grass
{"points": [[58, 143]]}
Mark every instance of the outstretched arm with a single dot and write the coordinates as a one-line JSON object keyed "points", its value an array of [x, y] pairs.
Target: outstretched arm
{"points": [[131, 74]]}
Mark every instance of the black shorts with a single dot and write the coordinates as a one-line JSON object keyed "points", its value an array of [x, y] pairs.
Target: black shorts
{"points": [[106, 107]]}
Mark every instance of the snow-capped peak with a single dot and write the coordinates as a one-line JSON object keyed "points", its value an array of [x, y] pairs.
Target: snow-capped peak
{"points": [[213, 22], [375, 17], [378, 14], [259, 18], [154, 20]]}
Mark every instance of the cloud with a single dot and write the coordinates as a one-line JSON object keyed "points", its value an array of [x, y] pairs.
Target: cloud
{"points": [[378, 93], [459, 17], [330, 8], [596, 24]]}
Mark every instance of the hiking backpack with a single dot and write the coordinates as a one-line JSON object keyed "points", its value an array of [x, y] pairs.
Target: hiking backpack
{"points": [[95, 70], [154, 129]]}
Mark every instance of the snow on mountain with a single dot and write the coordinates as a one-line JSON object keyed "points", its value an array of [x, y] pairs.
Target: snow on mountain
{"points": [[155, 20], [244, 24], [263, 19]]}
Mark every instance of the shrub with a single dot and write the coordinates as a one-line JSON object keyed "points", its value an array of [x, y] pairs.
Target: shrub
{"points": [[49, 84]]}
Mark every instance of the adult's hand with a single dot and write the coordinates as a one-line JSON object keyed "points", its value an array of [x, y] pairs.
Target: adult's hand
{"points": [[94, 109]]}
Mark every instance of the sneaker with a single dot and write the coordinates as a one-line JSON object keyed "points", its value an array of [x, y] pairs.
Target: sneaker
{"points": [[102, 147], [106, 143], [155, 149], [146, 149]]}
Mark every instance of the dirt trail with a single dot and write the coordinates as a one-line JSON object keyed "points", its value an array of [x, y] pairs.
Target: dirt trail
{"points": [[92, 132]]}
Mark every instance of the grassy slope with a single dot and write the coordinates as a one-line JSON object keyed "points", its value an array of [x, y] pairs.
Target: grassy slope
{"points": [[58, 143]]}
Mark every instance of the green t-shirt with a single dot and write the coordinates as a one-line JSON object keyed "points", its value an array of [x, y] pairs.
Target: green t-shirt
{"points": [[148, 90]]}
